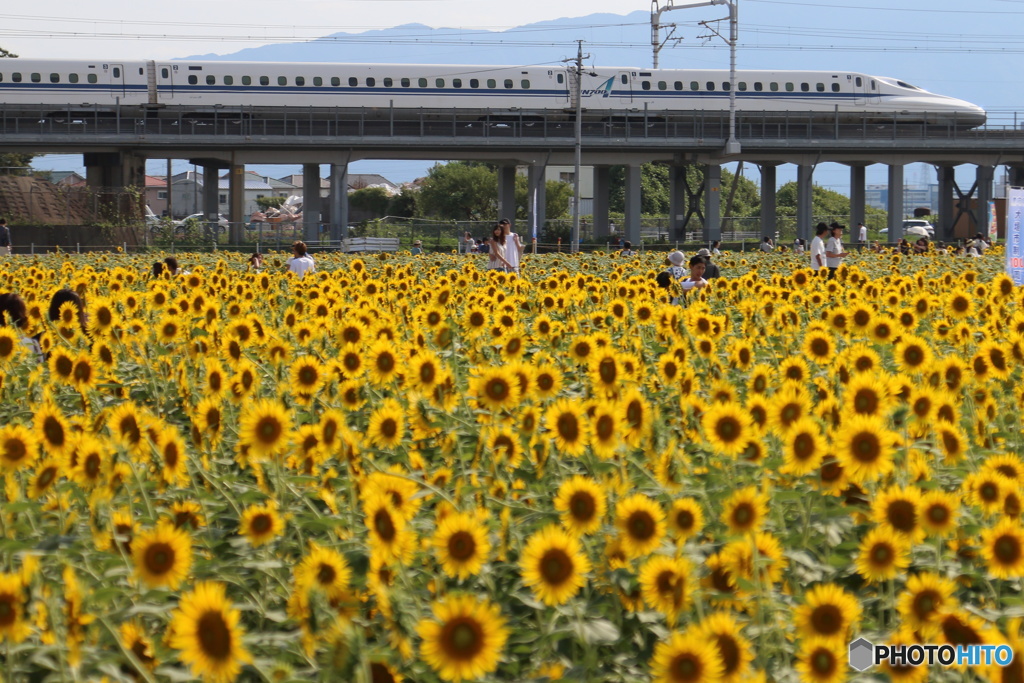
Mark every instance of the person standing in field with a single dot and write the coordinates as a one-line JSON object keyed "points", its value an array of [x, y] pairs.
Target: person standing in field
{"points": [[834, 253], [497, 247], [301, 262], [6, 247], [862, 233], [513, 247], [818, 247]]}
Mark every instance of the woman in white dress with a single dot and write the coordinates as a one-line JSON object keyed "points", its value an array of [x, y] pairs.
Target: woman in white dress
{"points": [[496, 250]]}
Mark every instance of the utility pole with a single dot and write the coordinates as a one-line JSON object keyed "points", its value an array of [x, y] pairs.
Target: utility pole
{"points": [[575, 238]]}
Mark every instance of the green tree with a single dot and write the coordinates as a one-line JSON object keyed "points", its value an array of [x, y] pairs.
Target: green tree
{"points": [[267, 202], [558, 195], [404, 204], [460, 191], [656, 193], [372, 199]]}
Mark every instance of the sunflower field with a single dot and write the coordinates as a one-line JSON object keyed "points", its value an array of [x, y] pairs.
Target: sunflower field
{"points": [[412, 469]]}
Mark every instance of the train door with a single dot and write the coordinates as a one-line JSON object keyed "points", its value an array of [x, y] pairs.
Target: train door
{"points": [[866, 89], [165, 74], [116, 73], [623, 87]]}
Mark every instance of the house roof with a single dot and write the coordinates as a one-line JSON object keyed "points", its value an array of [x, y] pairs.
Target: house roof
{"points": [[295, 180], [358, 181], [156, 181]]}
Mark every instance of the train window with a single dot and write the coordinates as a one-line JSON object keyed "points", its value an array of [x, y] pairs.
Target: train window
{"points": [[678, 85], [456, 82], [282, 80], [758, 86], [662, 85], [625, 79], [820, 87], [16, 77], [353, 81], [872, 84], [246, 80], [646, 85], [37, 78], [406, 83], [389, 83], [860, 81], [774, 87], [835, 87], [211, 80], [140, 71], [711, 85], [300, 80], [54, 78], [92, 78], [805, 87], [264, 80], [508, 84], [560, 78], [229, 80], [165, 73], [725, 85], [1, 78], [73, 78], [422, 83], [117, 72], [790, 87], [694, 85], [525, 83], [491, 83], [370, 82], [335, 81], [741, 85], [474, 83], [317, 81], [439, 82], [193, 79]]}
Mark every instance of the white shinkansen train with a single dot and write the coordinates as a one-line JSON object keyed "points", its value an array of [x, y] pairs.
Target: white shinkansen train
{"points": [[197, 86]]}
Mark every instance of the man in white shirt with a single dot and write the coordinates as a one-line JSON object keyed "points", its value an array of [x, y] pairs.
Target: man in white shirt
{"points": [[818, 247], [513, 246], [834, 253], [862, 233], [301, 263]]}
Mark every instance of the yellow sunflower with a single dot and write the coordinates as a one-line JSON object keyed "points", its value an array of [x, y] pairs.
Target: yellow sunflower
{"points": [[722, 630], [163, 555], [581, 505], [926, 598], [686, 658], [745, 511], [828, 612], [822, 661], [386, 428], [641, 522], [323, 569], [726, 428], [1002, 546], [265, 428], [553, 565], [883, 555], [666, 585], [568, 427], [803, 447], [465, 638], [205, 627], [19, 447], [260, 524], [685, 519], [863, 446], [461, 545], [496, 389]]}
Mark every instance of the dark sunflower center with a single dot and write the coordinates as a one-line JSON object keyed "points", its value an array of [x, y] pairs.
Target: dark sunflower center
{"points": [[556, 566], [462, 638], [384, 525], [326, 574], [568, 427], [214, 636], [640, 525], [1007, 549], [925, 603], [53, 430], [582, 506], [686, 667], [268, 430], [159, 558], [261, 524], [866, 447], [827, 620], [462, 546]]}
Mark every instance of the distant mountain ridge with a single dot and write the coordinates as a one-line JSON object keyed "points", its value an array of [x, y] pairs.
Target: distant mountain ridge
{"points": [[611, 39]]}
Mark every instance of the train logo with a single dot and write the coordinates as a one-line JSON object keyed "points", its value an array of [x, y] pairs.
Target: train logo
{"points": [[604, 90]]}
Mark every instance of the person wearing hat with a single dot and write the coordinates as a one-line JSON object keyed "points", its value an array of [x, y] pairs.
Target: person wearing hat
{"points": [[417, 247], [710, 269], [834, 253]]}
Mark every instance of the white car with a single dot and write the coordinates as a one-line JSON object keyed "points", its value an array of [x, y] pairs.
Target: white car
{"points": [[914, 223]]}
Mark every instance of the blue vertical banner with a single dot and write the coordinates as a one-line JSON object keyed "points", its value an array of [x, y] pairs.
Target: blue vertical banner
{"points": [[1014, 240]]}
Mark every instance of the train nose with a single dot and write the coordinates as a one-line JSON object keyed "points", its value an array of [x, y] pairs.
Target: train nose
{"points": [[972, 115]]}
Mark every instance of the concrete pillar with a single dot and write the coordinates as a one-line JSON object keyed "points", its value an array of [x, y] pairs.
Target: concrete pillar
{"points": [[538, 201], [677, 202], [601, 183], [1016, 176], [311, 204], [236, 204], [769, 207], [507, 193], [895, 203], [211, 197], [712, 202], [857, 199], [984, 176], [339, 201], [632, 208], [947, 207], [804, 202]]}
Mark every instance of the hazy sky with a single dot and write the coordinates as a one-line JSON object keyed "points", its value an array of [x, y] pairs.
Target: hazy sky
{"points": [[969, 50]]}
